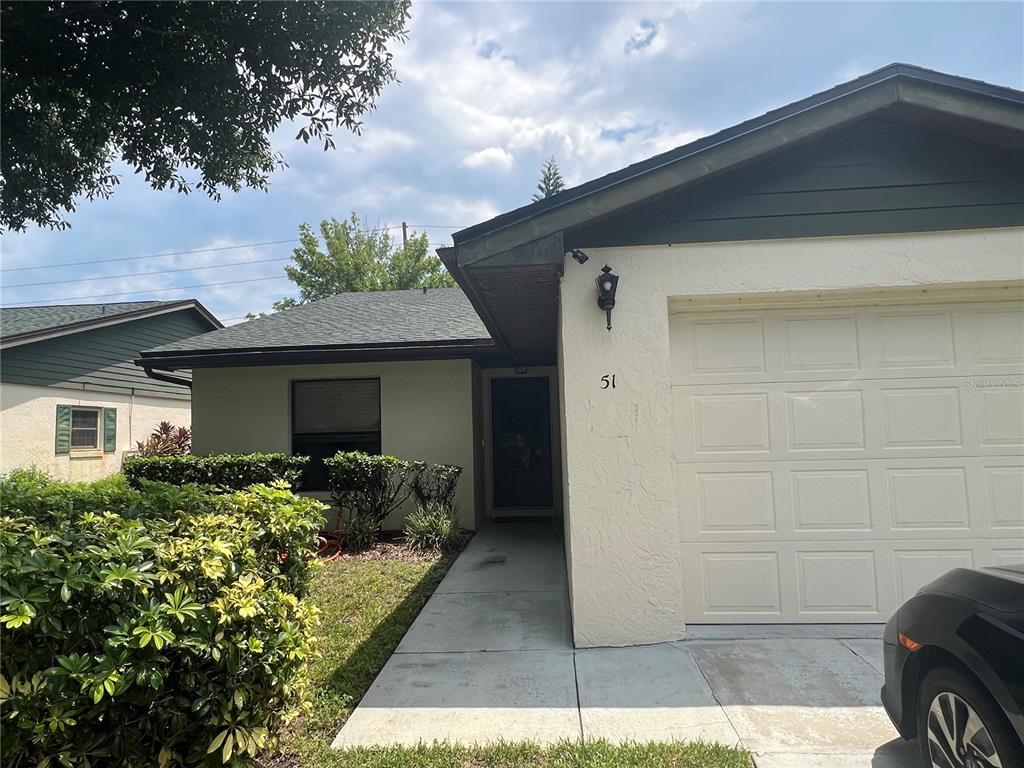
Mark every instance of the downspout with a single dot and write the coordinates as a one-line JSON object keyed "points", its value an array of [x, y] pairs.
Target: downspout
{"points": [[166, 378]]}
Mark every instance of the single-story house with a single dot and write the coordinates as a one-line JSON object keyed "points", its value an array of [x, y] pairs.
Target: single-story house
{"points": [[796, 395], [72, 400]]}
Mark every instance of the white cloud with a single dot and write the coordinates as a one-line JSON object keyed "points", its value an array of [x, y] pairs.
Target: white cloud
{"points": [[463, 211], [491, 157]]}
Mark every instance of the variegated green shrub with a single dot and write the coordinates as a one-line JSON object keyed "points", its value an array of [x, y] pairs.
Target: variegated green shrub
{"points": [[157, 627]]}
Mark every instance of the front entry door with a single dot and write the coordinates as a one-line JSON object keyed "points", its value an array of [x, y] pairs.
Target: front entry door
{"points": [[521, 475]]}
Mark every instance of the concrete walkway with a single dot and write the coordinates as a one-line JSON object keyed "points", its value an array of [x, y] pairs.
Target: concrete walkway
{"points": [[490, 657]]}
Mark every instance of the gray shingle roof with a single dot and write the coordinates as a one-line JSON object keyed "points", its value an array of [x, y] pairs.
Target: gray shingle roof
{"points": [[15, 321], [350, 319]]}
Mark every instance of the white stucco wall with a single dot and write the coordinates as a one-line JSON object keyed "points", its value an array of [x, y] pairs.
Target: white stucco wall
{"points": [[426, 413], [623, 529], [28, 424]]}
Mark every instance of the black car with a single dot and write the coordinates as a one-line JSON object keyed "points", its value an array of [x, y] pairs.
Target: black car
{"points": [[954, 669]]}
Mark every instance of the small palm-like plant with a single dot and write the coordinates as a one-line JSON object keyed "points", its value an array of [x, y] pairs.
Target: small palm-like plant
{"points": [[433, 527]]}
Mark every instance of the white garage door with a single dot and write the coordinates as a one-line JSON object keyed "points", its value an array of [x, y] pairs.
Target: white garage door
{"points": [[829, 462]]}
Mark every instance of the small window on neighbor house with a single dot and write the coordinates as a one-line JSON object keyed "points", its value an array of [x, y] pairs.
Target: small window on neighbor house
{"points": [[85, 429], [330, 416]]}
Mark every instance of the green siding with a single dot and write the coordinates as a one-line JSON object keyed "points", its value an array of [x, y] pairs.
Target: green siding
{"points": [[870, 177], [102, 359]]}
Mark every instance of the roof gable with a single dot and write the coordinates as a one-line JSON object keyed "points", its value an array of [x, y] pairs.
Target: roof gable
{"points": [[970, 108], [867, 177], [21, 325]]}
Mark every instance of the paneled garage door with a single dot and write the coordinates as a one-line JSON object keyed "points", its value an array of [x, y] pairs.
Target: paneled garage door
{"points": [[829, 462]]}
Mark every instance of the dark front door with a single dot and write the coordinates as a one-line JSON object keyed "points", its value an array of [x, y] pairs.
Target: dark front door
{"points": [[521, 443]]}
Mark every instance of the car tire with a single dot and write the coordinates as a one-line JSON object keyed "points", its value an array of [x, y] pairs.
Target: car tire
{"points": [[946, 700]]}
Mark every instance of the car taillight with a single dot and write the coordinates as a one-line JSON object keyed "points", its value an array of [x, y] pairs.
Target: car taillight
{"points": [[911, 645]]}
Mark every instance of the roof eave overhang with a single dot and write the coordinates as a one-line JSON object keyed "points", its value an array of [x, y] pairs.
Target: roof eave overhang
{"points": [[449, 258], [102, 322], [312, 355], [547, 253], [482, 243]]}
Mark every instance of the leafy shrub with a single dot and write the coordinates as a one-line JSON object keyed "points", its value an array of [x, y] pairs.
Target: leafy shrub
{"points": [[166, 440], [163, 630], [225, 470], [434, 482], [433, 526], [367, 488], [37, 495]]}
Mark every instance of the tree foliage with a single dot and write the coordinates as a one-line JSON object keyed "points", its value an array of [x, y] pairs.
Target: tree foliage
{"points": [[355, 257], [170, 88], [551, 181]]}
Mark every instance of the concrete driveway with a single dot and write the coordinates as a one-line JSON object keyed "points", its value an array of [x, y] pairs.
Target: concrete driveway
{"points": [[490, 657]]}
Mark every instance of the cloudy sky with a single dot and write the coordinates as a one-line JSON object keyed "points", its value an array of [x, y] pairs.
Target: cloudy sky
{"points": [[487, 91]]}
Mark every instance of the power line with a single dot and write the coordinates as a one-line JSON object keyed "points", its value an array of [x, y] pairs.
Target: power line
{"points": [[216, 249], [150, 274], [152, 255], [154, 290]]}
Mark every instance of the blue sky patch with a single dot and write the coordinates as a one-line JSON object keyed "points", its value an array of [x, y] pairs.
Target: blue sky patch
{"points": [[643, 37]]}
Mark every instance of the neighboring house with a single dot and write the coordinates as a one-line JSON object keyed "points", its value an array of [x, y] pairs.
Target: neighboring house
{"points": [[71, 399], [810, 400]]}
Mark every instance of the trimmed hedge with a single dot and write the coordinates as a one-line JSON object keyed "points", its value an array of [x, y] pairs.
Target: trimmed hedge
{"points": [[434, 483], [154, 627], [234, 471], [368, 488]]}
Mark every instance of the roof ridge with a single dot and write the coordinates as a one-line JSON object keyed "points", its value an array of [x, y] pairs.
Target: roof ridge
{"points": [[100, 304]]}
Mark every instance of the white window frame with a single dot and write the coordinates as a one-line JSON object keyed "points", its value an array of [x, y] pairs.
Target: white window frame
{"points": [[98, 442]]}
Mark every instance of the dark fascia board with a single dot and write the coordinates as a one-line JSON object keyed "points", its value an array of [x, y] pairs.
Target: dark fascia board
{"points": [[100, 322], [741, 143], [257, 356]]}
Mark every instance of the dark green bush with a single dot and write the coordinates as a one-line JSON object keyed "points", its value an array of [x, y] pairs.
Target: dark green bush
{"points": [[433, 526], [35, 494], [367, 488], [154, 627], [225, 470], [434, 482]]}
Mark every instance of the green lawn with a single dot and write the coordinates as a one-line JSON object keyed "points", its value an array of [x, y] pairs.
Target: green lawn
{"points": [[366, 605]]}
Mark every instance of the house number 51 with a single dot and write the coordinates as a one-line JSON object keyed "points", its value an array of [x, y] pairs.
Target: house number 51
{"points": [[608, 381]]}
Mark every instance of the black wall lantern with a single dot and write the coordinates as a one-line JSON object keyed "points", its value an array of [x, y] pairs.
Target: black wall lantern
{"points": [[607, 284]]}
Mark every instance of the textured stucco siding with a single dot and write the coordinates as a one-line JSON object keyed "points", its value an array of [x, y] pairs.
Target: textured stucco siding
{"points": [[426, 413], [623, 529], [28, 424]]}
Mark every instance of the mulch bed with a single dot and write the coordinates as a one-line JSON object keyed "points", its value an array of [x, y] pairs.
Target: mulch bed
{"points": [[390, 547], [392, 550]]}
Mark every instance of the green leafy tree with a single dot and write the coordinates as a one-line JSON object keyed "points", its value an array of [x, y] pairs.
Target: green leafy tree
{"points": [[551, 181], [170, 88], [350, 256]]}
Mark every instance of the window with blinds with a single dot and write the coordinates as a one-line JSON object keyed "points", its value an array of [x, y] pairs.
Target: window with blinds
{"points": [[330, 416], [85, 428]]}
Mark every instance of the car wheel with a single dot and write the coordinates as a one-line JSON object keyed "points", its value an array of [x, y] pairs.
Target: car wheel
{"points": [[960, 726]]}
